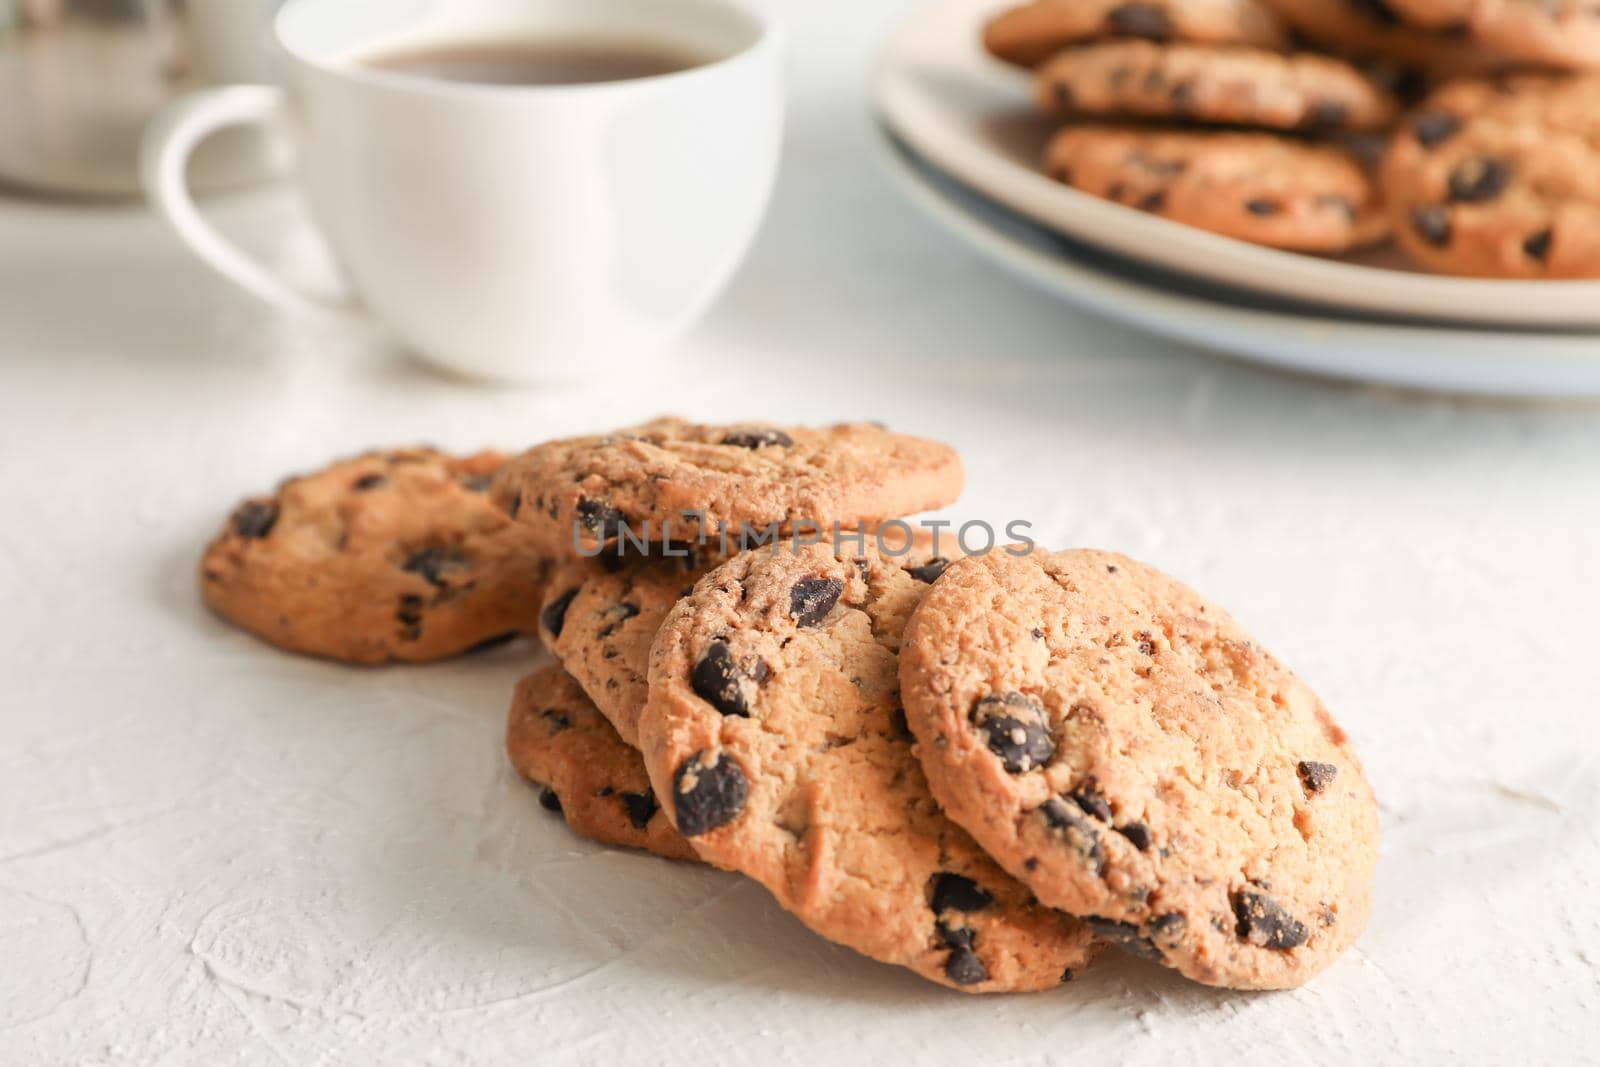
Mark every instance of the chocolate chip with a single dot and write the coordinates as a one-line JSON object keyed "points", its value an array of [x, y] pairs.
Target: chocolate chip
{"points": [[930, 571], [963, 967], [410, 616], [1537, 246], [1014, 729], [476, 483], [1263, 922], [1478, 179], [601, 519], [549, 801], [1077, 831], [811, 599], [1315, 776], [1262, 207], [1327, 115], [554, 615], [366, 482], [1064, 98], [561, 720], [1140, 20], [1125, 936], [255, 519], [1153, 202], [604, 791], [708, 797], [1434, 128], [1066, 976], [1146, 643], [618, 615], [954, 892], [1092, 801], [641, 807], [716, 679], [1138, 833], [514, 505], [758, 439], [1432, 223], [434, 563], [1165, 930]]}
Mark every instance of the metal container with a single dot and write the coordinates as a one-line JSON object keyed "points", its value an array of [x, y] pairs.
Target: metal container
{"points": [[80, 79]]}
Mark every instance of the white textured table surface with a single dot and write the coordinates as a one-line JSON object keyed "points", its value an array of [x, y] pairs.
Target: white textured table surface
{"points": [[212, 852]]}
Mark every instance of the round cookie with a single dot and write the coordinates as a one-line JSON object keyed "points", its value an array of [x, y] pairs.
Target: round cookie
{"points": [[392, 556], [1196, 83], [1374, 30], [1128, 752], [774, 736], [556, 739], [1260, 187], [1030, 34], [669, 480], [1559, 33], [1501, 178], [601, 615]]}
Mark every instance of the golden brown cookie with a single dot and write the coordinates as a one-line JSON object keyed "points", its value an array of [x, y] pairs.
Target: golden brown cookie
{"points": [[1032, 33], [1556, 33], [669, 479], [774, 737], [1260, 187], [391, 556], [1128, 752], [1501, 178], [556, 739], [1226, 86]]}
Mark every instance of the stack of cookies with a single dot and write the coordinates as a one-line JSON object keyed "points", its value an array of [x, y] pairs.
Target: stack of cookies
{"points": [[982, 762], [1328, 126]]}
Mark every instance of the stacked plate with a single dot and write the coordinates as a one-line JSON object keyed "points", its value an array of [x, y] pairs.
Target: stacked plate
{"points": [[961, 140]]}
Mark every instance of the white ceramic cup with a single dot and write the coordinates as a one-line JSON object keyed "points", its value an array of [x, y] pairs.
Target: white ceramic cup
{"points": [[524, 233]]}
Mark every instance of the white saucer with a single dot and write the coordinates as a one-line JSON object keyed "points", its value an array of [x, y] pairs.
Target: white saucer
{"points": [[1457, 360], [969, 115]]}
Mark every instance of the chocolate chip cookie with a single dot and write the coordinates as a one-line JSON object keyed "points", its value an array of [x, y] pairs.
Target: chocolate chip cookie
{"points": [[1374, 30], [1197, 83], [669, 479], [775, 739], [1260, 187], [1030, 34], [557, 740], [392, 556], [1128, 752], [1559, 33], [1501, 178], [602, 614]]}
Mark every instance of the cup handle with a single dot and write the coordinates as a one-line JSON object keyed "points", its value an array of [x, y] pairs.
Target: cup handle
{"points": [[163, 159]]}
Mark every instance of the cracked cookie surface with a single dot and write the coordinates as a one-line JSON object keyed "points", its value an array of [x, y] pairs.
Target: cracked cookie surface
{"points": [[578, 494], [557, 740], [1127, 751], [1031, 33], [1501, 178], [1229, 86], [775, 737], [389, 557], [1265, 188]]}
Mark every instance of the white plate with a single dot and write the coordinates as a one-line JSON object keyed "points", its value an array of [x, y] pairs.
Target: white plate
{"points": [[970, 116], [1480, 361]]}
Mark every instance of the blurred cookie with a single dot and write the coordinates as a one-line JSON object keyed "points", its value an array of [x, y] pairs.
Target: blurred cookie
{"points": [[774, 737], [1030, 34], [1501, 178], [669, 479], [556, 739], [392, 556], [1130, 754], [1196, 83], [1260, 187], [1560, 33], [1372, 30]]}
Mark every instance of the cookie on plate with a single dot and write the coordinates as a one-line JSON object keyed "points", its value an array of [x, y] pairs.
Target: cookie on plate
{"points": [[601, 615], [1559, 33], [558, 741], [1032, 33], [1501, 178], [775, 739], [392, 556], [1260, 187], [1127, 751], [1373, 30], [668, 480], [1197, 83]]}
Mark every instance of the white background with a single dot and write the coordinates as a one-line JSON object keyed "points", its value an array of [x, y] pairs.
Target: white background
{"points": [[213, 852]]}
